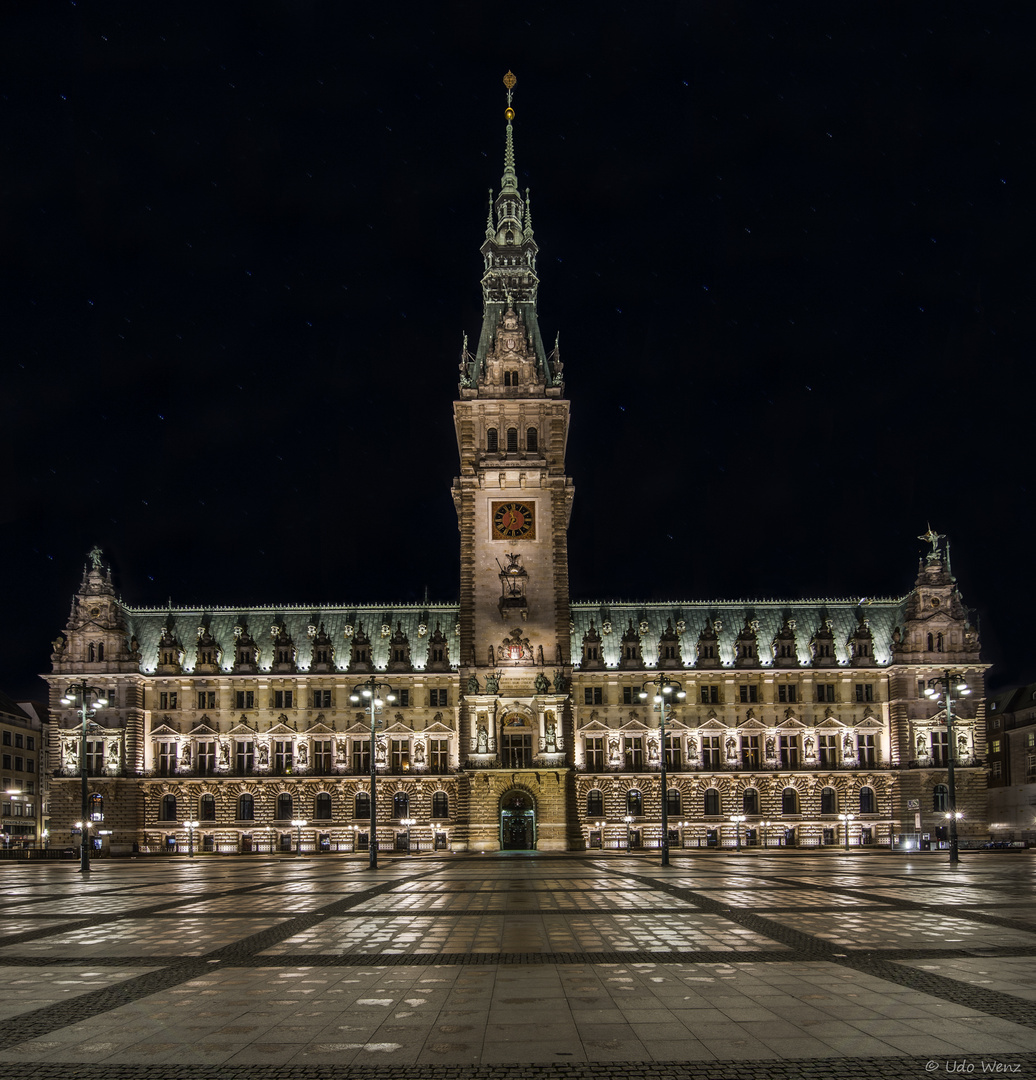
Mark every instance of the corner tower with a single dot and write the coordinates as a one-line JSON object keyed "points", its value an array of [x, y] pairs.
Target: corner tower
{"points": [[513, 498]]}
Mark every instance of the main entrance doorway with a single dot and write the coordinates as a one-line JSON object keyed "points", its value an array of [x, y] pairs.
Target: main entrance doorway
{"points": [[517, 822]]}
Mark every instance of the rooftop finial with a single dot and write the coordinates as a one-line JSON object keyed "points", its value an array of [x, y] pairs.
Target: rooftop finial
{"points": [[509, 182], [528, 214]]}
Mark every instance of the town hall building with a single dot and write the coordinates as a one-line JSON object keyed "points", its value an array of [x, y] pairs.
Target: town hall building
{"points": [[519, 718]]}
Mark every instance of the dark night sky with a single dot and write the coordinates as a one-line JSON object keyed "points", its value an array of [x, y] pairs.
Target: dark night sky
{"points": [[788, 249]]}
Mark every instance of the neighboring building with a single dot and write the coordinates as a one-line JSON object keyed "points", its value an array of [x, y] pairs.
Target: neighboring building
{"points": [[21, 733], [1011, 736], [518, 721]]}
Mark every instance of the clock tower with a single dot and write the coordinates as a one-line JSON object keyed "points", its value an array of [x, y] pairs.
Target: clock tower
{"points": [[513, 503]]}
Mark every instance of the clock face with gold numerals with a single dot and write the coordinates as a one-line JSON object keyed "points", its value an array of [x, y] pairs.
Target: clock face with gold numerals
{"points": [[513, 521]]}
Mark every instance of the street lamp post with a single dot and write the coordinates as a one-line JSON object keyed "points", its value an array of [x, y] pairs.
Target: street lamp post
{"points": [[369, 691], [765, 826], [665, 687], [87, 699], [951, 680], [629, 821], [407, 821], [190, 826], [298, 824], [847, 818], [737, 819]]}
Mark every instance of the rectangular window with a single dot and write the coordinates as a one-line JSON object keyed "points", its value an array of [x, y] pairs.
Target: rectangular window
{"points": [[994, 770], [438, 698], [748, 693], [593, 695], [710, 751], [825, 692], [7, 738], [30, 742], [403, 698], [595, 754], [244, 756], [283, 752], [361, 755], [321, 699], [95, 757], [245, 699], [1030, 768], [1030, 739], [400, 755], [710, 695], [516, 751], [864, 692], [166, 758], [18, 810], [30, 765], [750, 751], [439, 755], [789, 752], [167, 699], [866, 749], [828, 750], [994, 746], [630, 695], [206, 699], [19, 764], [322, 755], [30, 787], [939, 745], [282, 699], [634, 752], [205, 758], [673, 753], [19, 741], [920, 687], [7, 761]]}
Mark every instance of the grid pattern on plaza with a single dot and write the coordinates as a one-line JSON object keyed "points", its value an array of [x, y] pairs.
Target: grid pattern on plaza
{"points": [[488, 962]]}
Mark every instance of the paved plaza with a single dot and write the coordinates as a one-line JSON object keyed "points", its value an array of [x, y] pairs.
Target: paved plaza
{"points": [[483, 966]]}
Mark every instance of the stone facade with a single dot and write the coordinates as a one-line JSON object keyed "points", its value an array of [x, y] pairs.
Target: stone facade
{"points": [[518, 718]]}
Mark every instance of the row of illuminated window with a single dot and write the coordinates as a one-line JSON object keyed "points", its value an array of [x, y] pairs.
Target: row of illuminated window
{"points": [[284, 754], [285, 808], [747, 693], [532, 438], [19, 764], [19, 741], [17, 784], [710, 803], [291, 699], [18, 809], [753, 750]]}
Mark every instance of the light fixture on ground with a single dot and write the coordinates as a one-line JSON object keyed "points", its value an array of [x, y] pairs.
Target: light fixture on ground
{"points": [[87, 699], [846, 818], [190, 826], [298, 824], [765, 826], [951, 681], [629, 821], [737, 819], [370, 691], [665, 690], [407, 821]]}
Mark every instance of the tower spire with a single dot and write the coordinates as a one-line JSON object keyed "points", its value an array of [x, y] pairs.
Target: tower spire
{"points": [[509, 181]]}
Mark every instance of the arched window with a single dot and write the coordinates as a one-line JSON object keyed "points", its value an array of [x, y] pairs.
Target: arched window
{"points": [[750, 801], [322, 807], [867, 800], [491, 439], [167, 808], [245, 808], [828, 801], [532, 440], [938, 642], [97, 808], [634, 803], [362, 805], [100, 651], [673, 802], [931, 643], [594, 803], [512, 440], [712, 802], [284, 807], [90, 652], [400, 805], [941, 797], [207, 808], [789, 801], [440, 805]]}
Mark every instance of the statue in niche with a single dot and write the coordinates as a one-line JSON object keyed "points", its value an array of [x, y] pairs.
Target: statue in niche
{"points": [[340, 751], [613, 752], [473, 687], [652, 750], [419, 753], [185, 755], [493, 682], [692, 748], [483, 739], [379, 751], [770, 747], [541, 683], [113, 753], [224, 753], [808, 744], [71, 755], [731, 745], [303, 753], [962, 746], [551, 732], [922, 745], [847, 745], [560, 681], [264, 754]]}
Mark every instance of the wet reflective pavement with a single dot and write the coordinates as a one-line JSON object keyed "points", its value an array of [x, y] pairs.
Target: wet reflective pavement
{"points": [[570, 965]]}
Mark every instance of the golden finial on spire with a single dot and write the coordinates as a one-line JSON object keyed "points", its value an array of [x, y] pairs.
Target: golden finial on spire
{"points": [[509, 81]]}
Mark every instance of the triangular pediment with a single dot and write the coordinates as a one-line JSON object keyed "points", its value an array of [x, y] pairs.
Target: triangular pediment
{"points": [[164, 729], [242, 729], [791, 723], [281, 729], [870, 722], [595, 727], [830, 722], [203, 727], [753, 724], [397, 728], [437, 729], [635, 725], [358, 729], [713, 724], [319, 729]]}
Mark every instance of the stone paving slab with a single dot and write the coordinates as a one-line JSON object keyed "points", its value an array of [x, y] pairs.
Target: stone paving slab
{"points": [[467, 968]]}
